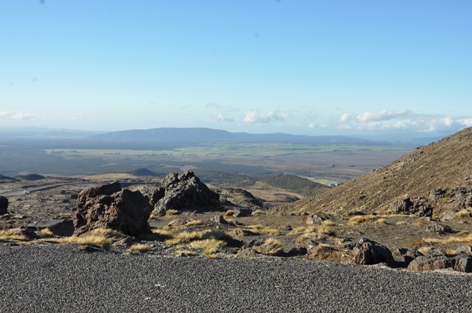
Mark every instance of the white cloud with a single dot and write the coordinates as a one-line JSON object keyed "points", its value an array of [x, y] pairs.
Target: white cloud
{"points": [[345, 117], [383, 115], [257, 117], [467, 121], [16, 115], [212, 105], [222, 118], [403, 120], [311, 125]]}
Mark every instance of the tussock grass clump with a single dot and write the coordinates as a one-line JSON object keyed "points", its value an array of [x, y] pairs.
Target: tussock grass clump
{"points": [[140, 247], [185, 252], [300, 240], [263, 230], [462, 214], [186, 237], [416, 244], [9, 235], [328, 223], [258, 212], [229, 213], [467, 239], [171, 212], [271, 246], [359, 219], [194, 223], [327, 231], [47, 232], [302, 230], [100, 237], [208, 246]]}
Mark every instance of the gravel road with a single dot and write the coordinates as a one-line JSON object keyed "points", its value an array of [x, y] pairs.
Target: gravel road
{"points": [[62, 279]]}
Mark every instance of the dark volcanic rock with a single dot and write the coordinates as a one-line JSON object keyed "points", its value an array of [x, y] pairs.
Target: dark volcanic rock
{"points": [[239, 198], [3, 205], [181, 191], [404, 256], [439, 228], [59, 227], [463, 263], [423, 263], [110, 207], [369, 252], [417, 206]]}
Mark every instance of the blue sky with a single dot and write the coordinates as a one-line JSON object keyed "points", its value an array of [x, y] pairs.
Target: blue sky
{"points": [[301, 67]]}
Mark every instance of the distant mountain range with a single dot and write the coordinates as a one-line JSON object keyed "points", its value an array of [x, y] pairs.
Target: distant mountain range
{"points": [[182, 136], [201, 135]]}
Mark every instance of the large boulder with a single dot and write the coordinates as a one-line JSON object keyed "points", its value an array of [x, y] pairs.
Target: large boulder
{"points": [[3, 205], [368, 252], [183, 191], [109, 206], [59, 227], [424, 263]]}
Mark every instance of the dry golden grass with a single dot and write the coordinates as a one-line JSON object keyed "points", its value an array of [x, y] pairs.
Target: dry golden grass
{"points": [[301, 230], [462, 214], [467, 239], [47, 232], [171, 212], [300, 240], [416, 244], [194, 223], [359, 219], [451, 252], [271, 246], [186, 237], [263, 230], [326, 230], [229, 213], [154, 216], [185, 252], [400, 223], [328, 223], [258, 212], [140, 247], [100, 237], [208, 246], [9, 234]]}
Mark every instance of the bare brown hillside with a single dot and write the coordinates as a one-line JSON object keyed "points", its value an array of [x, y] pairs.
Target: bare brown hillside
{"points": [[433, 180]]}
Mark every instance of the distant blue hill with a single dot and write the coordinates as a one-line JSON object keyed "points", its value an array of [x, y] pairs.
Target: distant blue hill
{"points": [[201, 135]]}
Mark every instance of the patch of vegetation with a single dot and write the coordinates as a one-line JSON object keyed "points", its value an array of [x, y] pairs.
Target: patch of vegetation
{"points": [[295, 183], [140, 247]]}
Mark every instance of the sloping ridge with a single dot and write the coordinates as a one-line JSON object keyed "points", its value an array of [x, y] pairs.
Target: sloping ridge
{"points": [[440, 173]]}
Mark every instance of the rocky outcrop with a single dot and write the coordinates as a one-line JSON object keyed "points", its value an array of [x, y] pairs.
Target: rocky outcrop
{"points": [[3, 205], [415, 206], [460, 263], [439, 228], [238, 198], [183, 191], [368, 252], [109, 206]]}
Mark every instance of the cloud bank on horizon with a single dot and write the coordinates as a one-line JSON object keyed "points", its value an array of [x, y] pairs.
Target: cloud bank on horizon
{"points": [[300, 67]]}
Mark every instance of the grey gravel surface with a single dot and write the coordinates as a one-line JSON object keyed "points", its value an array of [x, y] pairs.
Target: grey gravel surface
{"points": [[62, 279]]}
